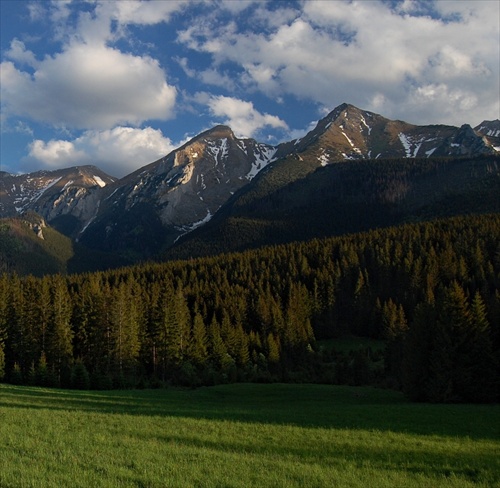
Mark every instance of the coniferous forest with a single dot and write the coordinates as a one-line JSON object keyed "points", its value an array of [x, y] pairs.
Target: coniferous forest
{"points": [[430, 292]]}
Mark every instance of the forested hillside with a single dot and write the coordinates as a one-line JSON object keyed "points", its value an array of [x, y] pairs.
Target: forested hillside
{"points": [[294, 200], [430, 290], [28, 246]]}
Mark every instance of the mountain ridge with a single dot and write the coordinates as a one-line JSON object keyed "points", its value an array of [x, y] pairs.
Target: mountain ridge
{"points": [[153, 207]]}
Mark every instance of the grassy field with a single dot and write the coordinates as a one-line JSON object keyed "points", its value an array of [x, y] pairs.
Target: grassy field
{"points": [[243, 435]]}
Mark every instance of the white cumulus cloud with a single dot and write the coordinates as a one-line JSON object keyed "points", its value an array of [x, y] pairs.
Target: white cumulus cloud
{"points": [[242, 116], [88, 87], [365, 51], [117, 151], [57, 153]]}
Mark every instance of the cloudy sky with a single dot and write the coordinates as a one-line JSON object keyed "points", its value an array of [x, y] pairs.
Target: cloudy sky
{"points": [[120, 84]]}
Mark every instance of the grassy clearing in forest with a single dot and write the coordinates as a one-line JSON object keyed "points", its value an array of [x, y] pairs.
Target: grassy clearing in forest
{"points": [[243, 435]]}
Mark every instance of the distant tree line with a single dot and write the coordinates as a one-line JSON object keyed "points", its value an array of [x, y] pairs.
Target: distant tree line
{"points": [[430, 290]]}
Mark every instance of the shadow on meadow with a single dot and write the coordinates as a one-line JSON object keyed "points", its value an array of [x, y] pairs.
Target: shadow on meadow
{"points": [[322, 406], [419, 457]]}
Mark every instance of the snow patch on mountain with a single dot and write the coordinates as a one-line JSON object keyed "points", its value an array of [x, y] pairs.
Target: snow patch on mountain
{"points": [[187, 174], [185, 229], [201, 178], [44, 189], [489, 132], [219, 150], [241, 144], [363, 121], [323, 159], [99, 181], [69, 183], [349, 140], [261, 160], [411, 146], [27, 197], [406, 144]]}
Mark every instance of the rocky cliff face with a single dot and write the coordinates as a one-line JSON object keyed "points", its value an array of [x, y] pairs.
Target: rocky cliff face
{"points": [[490, 131], [349, 133], [190, 184], [52, 193], [182, 191]]}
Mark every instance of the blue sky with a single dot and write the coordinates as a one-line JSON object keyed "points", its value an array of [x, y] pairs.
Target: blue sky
{"points": [[120, 84]]}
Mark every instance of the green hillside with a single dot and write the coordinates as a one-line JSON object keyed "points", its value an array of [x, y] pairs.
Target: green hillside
{"points": [[27, 247], [25, 252]]}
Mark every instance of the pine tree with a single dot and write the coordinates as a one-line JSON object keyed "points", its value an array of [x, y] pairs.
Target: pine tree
{"points": [[242, 355], [16, 375], [59, 335], [217, 348], [273, 350], [449, 374], [480, 359], [198, 352], [44, 312], [124, 323], [41, 373], [27, 315]]}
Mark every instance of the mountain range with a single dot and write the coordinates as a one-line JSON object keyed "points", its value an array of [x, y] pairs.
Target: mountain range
{"points": [[355, 170]]}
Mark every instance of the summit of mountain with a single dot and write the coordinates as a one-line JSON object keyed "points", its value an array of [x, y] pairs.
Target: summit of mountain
{"points": [[150, 209], [51, 193], [176, 193], [490, 131], [349, 133]]}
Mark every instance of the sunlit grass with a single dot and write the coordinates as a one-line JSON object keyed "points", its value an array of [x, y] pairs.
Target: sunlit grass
{"points": [[243, 436]]}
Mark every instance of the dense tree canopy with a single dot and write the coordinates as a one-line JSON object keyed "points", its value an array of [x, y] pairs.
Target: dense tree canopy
{"points": [[431, 291]]}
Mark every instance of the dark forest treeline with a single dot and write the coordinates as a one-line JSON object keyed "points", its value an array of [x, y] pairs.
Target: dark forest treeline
{"points": [[430, 290]]}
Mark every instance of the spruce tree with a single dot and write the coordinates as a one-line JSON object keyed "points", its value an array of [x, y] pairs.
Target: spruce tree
{"points": [[481, 362], [217, 348], [198, 352], [59, 334], [124, 322]]}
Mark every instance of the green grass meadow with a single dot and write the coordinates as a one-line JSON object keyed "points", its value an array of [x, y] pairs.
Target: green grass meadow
{"points": [[243, 435]]}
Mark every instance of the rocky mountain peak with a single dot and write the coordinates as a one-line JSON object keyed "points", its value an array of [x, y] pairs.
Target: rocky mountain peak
{"points": [[490, 131], [184, 189], [49, 192], [217, 132]]}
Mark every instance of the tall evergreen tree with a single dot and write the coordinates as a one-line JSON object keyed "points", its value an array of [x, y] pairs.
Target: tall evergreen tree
{"points": [[480, 360], [124, 321], [198, 352], [217, 348], [59, 334]]}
